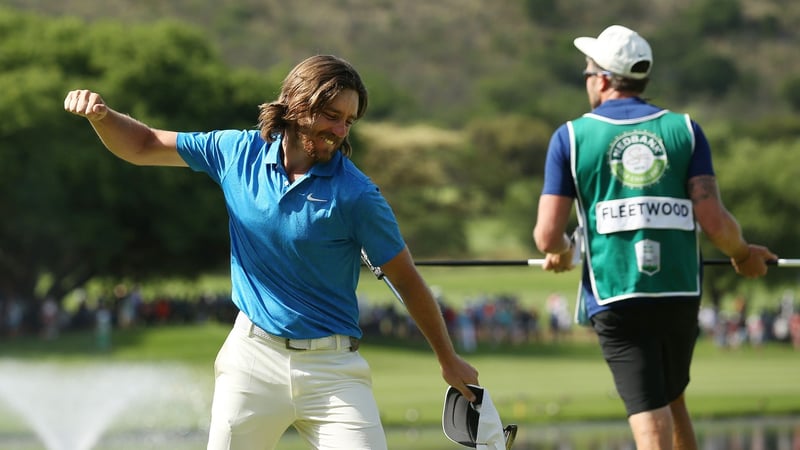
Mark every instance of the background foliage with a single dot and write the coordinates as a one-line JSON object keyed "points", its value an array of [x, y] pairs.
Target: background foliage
{"points": [[464, 97]]}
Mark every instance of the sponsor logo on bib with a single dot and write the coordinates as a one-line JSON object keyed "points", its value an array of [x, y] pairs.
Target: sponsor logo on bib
{"points": [[637, 158], [648, 256]]}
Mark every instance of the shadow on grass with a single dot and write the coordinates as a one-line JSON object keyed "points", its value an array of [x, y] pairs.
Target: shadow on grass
{"points": [[187, 343], [76, 343]]}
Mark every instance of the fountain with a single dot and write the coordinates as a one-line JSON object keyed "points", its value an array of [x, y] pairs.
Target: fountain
{"points": [[112, 406], [72, 406]]}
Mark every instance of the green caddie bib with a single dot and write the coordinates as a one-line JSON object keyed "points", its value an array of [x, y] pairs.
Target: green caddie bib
{"points": [[630, 176]]}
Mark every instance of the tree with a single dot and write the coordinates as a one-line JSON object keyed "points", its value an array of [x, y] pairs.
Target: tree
{"points": [[706, 72], [512, 145], [72, 211], [760, 189], [791, 92], [543, 12], [713, 17], [418, 169]]}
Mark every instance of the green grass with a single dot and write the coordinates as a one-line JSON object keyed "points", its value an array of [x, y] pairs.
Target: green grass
{"points": [[569, 382], [535, 383], [459, 285]]}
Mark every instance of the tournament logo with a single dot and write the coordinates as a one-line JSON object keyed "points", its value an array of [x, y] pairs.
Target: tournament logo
{"points": [[637, 158]]}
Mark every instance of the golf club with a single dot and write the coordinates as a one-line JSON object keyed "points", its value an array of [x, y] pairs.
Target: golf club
{"points": [[510, 432], [380, 275], [539, 262]]}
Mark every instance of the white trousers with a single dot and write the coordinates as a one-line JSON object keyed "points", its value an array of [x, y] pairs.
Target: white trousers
{"points": [[262, 388]]}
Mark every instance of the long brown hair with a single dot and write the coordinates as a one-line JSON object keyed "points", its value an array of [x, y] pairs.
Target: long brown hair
{"points": [[307, 90]]}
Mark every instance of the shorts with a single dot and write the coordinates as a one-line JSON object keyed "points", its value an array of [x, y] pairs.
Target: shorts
{"points": [[649, 348]]}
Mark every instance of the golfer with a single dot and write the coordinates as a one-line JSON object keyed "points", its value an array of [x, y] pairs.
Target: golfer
{"points": [[642, 177], [300, 212]]}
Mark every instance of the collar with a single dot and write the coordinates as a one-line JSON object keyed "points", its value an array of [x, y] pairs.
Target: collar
{"points": [[318, 169], [625, 108], [619, 102]]}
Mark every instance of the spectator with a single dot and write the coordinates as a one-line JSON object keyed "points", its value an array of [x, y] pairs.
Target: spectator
{"points": [[50, 318]]}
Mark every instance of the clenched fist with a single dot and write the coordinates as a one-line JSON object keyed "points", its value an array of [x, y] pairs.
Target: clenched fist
{"points": [[86, 104]]}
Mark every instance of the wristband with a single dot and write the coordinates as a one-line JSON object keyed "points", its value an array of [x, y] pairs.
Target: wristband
{"points": [[569, 245]]}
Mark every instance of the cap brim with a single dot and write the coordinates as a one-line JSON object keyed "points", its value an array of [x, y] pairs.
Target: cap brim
{"points": [[459, 418], [587, 46]]}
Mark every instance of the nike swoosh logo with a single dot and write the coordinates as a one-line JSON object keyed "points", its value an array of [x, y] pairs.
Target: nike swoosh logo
{"points": [[311, 198]]}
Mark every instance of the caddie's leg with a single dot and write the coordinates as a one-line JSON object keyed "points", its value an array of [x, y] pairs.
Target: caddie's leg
{"points": [[652, 430], [683, 436]]}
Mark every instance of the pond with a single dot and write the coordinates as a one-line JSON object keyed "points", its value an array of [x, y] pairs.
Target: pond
{"points": [[65, 407], [730, 434]]}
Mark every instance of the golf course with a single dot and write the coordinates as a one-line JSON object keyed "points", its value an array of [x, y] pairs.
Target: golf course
{"points": [[535, 383]]}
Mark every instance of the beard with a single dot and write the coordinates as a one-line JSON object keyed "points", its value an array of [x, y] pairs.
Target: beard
{"points": [[317, 147]]}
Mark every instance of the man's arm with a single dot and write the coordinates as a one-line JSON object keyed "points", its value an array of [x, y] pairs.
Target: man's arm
{"points": [[723, 230], [423, 308], [124, 136], [550, 232]]}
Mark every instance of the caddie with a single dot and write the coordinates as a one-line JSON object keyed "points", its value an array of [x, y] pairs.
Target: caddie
{"points": [[642, 177]]}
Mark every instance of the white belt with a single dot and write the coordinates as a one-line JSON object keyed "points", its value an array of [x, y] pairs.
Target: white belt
{"points": [[332, 342]]}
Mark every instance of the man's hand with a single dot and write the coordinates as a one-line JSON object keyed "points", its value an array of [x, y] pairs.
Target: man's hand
{"points": [[754, 264], [559, 262], [86, 104], [459, 373]]}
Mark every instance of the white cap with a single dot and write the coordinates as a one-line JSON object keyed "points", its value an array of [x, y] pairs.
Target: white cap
{"points": [[476, 424], [619, 50]]}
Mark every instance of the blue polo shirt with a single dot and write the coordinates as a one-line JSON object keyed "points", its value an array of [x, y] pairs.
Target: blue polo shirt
{"points": [[558, 178], [295, 247]]}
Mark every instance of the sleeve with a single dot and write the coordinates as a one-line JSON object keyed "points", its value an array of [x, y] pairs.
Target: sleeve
{"points": [[701, 163], [210, 152], [557, 173], [376, 227]]}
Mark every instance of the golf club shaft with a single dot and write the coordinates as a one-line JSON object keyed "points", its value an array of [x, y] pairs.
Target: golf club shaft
{"points": [[380, 275], [394, 291], [539, 262]]}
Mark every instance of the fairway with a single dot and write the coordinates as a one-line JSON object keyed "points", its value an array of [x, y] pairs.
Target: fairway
{"points": [[536, 386], [525, 389]]}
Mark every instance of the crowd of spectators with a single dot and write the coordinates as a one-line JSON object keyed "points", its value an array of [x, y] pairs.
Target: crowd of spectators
{"points": [[492, 320], [123, 308], [744, 326]]}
